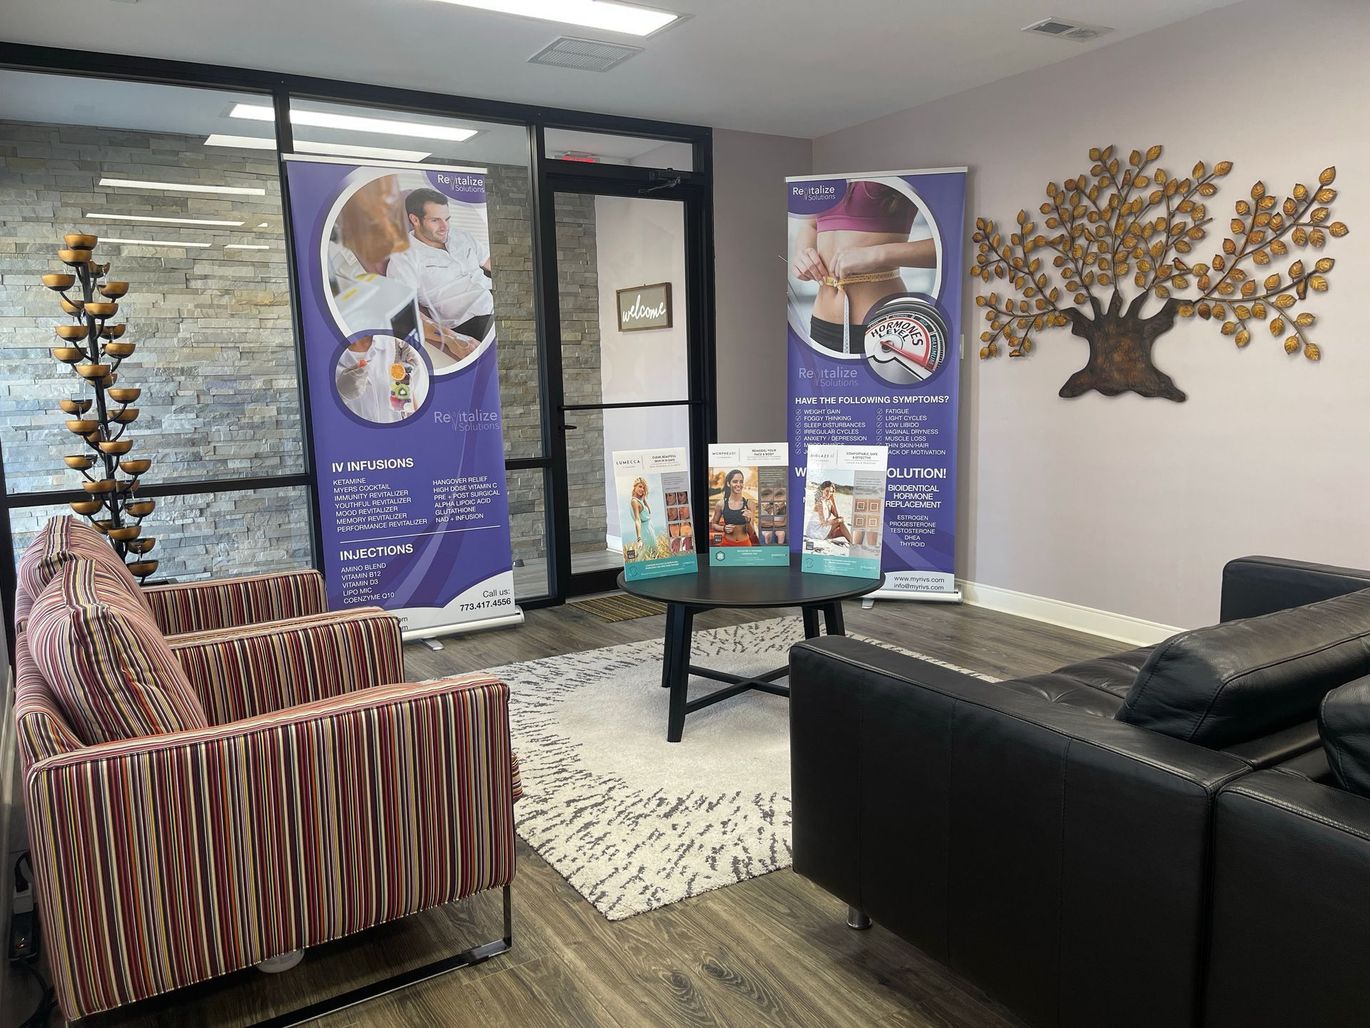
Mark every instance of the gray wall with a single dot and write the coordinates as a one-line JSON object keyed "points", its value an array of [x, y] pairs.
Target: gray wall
{"points": [[749, 280], [1133, 505]]}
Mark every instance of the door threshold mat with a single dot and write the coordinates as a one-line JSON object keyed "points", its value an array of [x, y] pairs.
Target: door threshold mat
{"points": [[620, 607]]}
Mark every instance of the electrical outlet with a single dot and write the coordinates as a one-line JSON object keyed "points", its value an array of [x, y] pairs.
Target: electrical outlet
{"points": [[23, 925]]}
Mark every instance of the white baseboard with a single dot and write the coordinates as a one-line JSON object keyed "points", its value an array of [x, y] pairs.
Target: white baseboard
{"points": [[1136, 631]]}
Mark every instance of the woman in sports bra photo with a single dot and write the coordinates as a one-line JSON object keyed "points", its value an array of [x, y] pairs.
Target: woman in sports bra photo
{"points": [[854, 251], [734, 514]]}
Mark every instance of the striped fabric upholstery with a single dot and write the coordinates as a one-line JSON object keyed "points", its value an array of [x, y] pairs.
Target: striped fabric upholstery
{"points": [[60, 541], [243, 672], [108, 665], [168, 860], [233, 602], [43, 728]]}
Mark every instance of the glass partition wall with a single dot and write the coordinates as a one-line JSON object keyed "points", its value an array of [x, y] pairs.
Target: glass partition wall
{"points": [[177, 170]]}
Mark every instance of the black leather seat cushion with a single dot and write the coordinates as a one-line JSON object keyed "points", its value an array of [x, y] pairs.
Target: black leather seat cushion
{"points": [[1344, 722], [1234, 682], [1095, 686]]}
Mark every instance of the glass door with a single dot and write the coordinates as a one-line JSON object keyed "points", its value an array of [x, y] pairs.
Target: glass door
{"points": [[631, 364]]}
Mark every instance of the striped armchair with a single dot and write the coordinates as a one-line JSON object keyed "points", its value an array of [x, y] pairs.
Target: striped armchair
{"points": [[285, 790]]}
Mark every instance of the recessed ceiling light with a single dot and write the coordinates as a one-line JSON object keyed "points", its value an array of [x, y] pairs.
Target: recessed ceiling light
{"points": [[383, 153], [595, 14], [149, 242], [246, 246], [355, 123], [183, 187], [163, 221]]}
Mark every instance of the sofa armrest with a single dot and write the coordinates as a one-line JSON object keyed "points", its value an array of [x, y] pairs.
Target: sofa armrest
{"points": [[1034, 848], [234, 602], [244, 672], [1291, 878], [1262, 585], [172, 859]]}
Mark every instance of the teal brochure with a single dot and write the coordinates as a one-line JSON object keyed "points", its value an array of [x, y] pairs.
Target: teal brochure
{"points": [[844, 510], [653, 490], [749, 505]]}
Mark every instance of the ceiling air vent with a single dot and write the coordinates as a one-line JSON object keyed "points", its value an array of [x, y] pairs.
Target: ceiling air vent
{"points": [[1062, 29], [583, 54]]}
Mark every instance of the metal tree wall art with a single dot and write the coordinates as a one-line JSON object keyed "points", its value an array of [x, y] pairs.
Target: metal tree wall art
{"points": [[94, 349], [1121, 236]]}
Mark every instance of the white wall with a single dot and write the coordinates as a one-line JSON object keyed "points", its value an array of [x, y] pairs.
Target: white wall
{"points": [[1127, 504], [749, 280], [640, 241]]}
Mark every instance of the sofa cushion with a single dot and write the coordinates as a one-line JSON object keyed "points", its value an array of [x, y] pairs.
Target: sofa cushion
{"points": [[1240, 680], [62, 539], [1095, 686], [1344, 722], [105, 659]]}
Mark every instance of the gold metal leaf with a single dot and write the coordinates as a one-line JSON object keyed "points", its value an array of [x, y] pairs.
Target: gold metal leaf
{"points": [[1325, 195], [1277, 327], [1291, 345], [1300, 191], [1222, 167], [1324, 265], [1284, 301], [1317, 283], [1305, 320], [1243, 337], [1327, 176], [1312, 351], [1258, 190], [1229, 327], [1337, 229]]}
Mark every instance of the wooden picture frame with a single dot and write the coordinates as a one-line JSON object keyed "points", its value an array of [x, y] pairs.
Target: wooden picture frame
{"points": [[644, 307]]}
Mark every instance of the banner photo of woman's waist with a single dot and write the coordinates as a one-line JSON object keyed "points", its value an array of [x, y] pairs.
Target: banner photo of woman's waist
{"points": [[873, 312]]}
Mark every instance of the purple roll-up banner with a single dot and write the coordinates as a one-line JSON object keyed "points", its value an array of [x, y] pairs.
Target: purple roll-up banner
{"points": [[397, 316], [874, 339]]}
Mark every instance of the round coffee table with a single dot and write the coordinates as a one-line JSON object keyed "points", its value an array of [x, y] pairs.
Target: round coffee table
{"points": [[688, 595]]}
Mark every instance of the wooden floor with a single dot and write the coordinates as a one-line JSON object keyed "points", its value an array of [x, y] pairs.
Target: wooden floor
{"points": [[771, 951]]}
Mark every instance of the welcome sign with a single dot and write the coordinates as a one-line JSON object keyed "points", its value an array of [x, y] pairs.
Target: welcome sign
{"points": [[644, 307]]}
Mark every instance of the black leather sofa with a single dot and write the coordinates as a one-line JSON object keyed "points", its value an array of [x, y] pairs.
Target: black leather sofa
{"points": [[1050, 837], [1290, 938]]}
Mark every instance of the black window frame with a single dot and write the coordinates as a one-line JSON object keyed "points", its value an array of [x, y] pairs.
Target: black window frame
{"points": [[546, 176]]}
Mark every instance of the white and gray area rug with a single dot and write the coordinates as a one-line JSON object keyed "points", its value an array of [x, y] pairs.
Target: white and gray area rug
{"points": [[634, 822]]}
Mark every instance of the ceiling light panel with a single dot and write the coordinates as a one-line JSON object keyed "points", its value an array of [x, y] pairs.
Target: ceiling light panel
{"points": [[356, 123], [161, 221], [183, 187], [596, 14], [382, 153]]}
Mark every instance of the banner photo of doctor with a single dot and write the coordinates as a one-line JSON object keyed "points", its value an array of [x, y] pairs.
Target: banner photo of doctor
{"points": [[411, 249], [400, 361]]}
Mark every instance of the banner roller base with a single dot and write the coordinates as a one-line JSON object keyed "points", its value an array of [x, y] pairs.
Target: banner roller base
{"points": [[507, 621], [889, 594]]}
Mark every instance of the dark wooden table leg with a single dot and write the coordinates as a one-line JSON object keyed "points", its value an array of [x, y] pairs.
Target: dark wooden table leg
{"points": [[832, 618], [810, 622], [679, 626]]}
